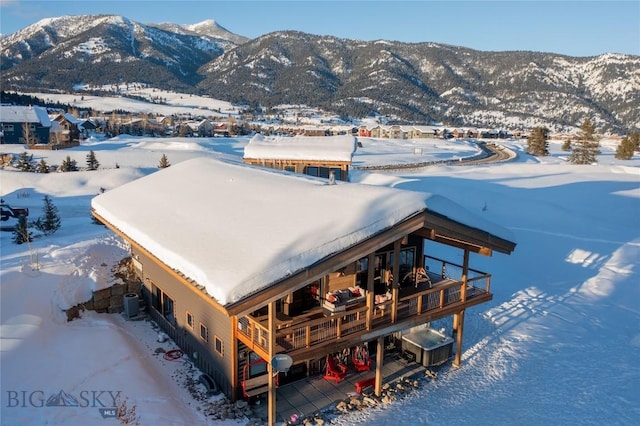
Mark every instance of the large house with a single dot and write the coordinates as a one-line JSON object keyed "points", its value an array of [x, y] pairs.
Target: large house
{"points": [[24, 125], [309, 155], [246, 263]]}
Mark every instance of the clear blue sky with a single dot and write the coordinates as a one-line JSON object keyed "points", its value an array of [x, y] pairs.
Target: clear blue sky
{"points": [[576, 28]]}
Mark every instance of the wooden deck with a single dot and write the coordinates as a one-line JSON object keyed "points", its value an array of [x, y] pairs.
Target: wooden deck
{"points": [[314, 332]]}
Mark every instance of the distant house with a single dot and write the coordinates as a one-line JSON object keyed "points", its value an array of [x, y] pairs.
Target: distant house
{"points": [[420, 132], [16, 120], [379, 132], [397, 132], [88, 125], [364, 132], [489, 133], [70, 127], [268, 263], [205, 128], [309, 155], [459, 133], [221, 129]]}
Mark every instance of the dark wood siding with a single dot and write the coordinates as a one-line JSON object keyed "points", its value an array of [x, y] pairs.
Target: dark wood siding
{"points": [[188, 338]]}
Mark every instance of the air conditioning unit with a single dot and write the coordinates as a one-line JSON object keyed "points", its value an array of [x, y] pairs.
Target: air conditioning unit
{"points": [[131, 305]]}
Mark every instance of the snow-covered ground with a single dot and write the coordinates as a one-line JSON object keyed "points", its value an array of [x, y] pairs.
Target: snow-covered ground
{"points": [[559, 344]]}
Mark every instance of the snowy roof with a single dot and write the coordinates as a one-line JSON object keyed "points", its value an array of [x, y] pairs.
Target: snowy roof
{"points": [[73, 119], [323, 148], [24, 114], [236, 229], [257, 224]]}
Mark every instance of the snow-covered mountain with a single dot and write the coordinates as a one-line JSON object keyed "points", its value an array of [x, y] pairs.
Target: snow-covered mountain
{"points": [[206, 28], [408, 82], [62, 52], [430, 82]]}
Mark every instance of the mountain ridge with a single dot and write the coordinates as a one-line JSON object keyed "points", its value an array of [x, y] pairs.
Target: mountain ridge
{"points": [[409, 82]]}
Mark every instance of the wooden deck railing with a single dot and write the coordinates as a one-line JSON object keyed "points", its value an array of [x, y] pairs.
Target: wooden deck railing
{"points": [[253, 334], [319, 330], [315, 328]]}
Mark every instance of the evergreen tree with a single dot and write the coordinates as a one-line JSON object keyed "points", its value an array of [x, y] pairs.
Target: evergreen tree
{"points": [[164, 162], [25, 162], [586, 146], [538, 143], [50, 221], [92, 162], [43, 167], [566, 146], [21, 233], [625, 149], [69, 165], [635, 139]]}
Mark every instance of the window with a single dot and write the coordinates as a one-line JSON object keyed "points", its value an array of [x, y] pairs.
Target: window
{"points": [[218, 345], [258, 368], [163, 304], [204, 332], [7, 127], [189, 320], [290, 168], [311, 171], [167, 308]]}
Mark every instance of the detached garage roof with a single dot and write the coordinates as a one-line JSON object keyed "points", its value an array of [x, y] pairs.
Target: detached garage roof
{"points": [[317, 148]]}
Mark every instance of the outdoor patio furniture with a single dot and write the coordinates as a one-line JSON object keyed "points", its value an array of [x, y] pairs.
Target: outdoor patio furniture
{"points": [[333, 370]]}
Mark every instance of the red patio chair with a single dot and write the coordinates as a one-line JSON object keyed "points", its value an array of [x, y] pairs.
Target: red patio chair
{"points": [[333, 370], [360, 359]]}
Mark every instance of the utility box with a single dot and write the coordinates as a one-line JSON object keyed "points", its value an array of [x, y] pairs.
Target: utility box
{"points": [[131, 305]]}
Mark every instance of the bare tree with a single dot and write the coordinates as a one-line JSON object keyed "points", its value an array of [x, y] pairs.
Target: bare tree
{"points": [[126, 415], [28, 135]]}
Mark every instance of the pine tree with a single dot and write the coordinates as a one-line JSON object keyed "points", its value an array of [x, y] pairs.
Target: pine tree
{"points": [[625, 149], [164, 162], [92, 162], [69, 165], [635, 139], [566, 145], [586, 146], [50, 221], [25, 162], [538, 143], [43, 167], [21, 233]]}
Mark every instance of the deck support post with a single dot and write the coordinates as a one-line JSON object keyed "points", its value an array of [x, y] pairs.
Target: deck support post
{"points": [[379, 358], [458, 320], [371, 299], [395, 272], [272, 349], [465, 276]]}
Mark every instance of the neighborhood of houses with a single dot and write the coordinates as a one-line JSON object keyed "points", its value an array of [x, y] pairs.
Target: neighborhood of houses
{"points": [[37, 127]]}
